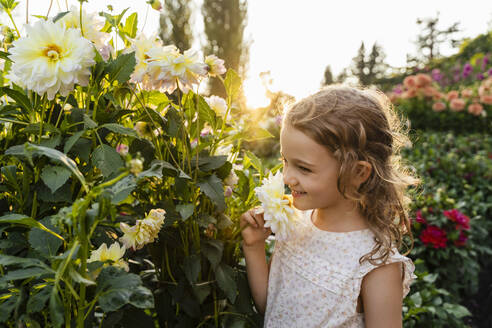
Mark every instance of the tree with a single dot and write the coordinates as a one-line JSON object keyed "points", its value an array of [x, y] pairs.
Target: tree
{"points": [[224, 22], [175, 26], [327, 76], [431, 38], [367, 69]]}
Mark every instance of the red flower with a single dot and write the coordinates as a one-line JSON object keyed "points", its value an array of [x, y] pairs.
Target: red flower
{"points": [[435, 236], [463, 221], [461, 241]]}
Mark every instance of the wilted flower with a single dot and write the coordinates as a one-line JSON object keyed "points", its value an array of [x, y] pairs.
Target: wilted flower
{"points": [[51, 58], [215, 65], [91, 26], [136, 166], [218, 104], [277, 207], [114, 254], [144, 231], [457, 104]]}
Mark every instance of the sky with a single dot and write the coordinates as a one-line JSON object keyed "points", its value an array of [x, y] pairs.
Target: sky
{"points": [[295, 40]]}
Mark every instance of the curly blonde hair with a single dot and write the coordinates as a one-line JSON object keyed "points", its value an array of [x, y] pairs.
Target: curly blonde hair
{"points": [[361, 125]]}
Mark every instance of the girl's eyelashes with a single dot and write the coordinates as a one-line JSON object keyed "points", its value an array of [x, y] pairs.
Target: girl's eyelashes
{"points": [[302, 168]]}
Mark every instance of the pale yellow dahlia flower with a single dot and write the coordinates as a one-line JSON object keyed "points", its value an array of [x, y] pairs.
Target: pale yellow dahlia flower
{"points": [[176, 70], [114, 254], [142, 73], [91, 26], [51, 59], [279, 214], [215, 65], [144, 231]]}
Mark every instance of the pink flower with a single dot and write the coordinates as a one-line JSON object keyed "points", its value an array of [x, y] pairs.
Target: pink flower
{"points": [[122, 149], [435, 236], [475, 109], [461, 241], [467, 93], [420, 218], [463, 221], [228, 192], [409, 82], [486, 99], [423, 80], [439, 106], [457, 104], [452, 95]]}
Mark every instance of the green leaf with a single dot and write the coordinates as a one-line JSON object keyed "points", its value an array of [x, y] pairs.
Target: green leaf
{"points": [[131, 25], [56, 309], [192, 267], [5, 56], [225, 279], [43, 241], [107, 159], [257, 133], [7, 307], [78, 277], [232, 84], [207, 164], [185, 210], [115, 287], [88, 122], [21, 261], [118, 128], [59, 16], [212, 249], [38, 301], [72, 140], [142, 298], [205, 113], [27, 221], [201, 291], [122, 189], [457, 310], [24, 273], [55, 176], [156, 98], [121, 68], [213, 188], [20, 98], [29, 150]]}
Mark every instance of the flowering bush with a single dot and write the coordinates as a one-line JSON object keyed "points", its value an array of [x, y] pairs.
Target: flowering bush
{"points": [[106, 146]]}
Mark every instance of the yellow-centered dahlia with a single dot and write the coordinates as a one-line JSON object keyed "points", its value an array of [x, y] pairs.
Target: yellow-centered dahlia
{"points": [[91, 25], [279, 213], [113, 254], [215, 65], [143, 73], [51, 59], [144, 231]]}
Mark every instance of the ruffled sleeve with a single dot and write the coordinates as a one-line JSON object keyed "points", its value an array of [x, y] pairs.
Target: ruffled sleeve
{"points": [[408, 270]]}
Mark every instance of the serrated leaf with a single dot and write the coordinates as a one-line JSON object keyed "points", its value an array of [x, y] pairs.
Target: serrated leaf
{"points": [[55, 176], [212, 249], [89, 123], [131, 25], [122, 189], [457, 310], [192, 266], [212, 187], [115, 287], [43, 241], [201, 291], [207, 164], [20, 98], [24, 273], [224, 275], [5, 56], [118, 128], [142, 298], [38, 301], [121, 68], [107, 159], [78, 278]]}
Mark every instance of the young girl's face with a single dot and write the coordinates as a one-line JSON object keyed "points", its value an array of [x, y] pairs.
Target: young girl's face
{"points": [[310, 171]]}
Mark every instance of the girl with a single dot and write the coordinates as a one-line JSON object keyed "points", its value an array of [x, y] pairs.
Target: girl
{"points": [[342, 267]]}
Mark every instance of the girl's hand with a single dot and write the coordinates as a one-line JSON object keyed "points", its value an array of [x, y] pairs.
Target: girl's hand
{"points": [[253, 231]]}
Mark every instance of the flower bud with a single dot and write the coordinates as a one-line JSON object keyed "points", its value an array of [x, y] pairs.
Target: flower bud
{"points": [[136, 166]]}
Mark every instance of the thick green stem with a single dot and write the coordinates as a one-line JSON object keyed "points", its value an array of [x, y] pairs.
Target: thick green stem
{"points": [[83, 268], [9, 13]]}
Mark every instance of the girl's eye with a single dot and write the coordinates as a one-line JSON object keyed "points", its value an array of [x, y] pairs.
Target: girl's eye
{"points": [[304, 169]]}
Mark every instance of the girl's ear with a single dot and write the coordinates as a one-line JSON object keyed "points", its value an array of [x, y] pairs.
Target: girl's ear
{"points": [[363, 171]]}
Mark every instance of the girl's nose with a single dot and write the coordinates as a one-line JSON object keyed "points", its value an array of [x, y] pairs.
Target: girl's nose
{"points": [[289, 179]]}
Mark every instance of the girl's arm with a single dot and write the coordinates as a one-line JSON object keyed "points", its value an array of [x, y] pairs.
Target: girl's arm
{"points": [[254, 235], [382, 296]]}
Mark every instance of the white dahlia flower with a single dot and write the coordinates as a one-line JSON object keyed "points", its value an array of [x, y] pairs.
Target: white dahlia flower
{"points": [[215, 65], [279, 213], [142, 73], [144, 231], [176, 70], [218, 104], [51, 59], [91, 26], [114, 254]]}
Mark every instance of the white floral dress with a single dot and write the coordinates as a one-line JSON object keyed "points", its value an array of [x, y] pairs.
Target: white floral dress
{"points": [[315, 277]]}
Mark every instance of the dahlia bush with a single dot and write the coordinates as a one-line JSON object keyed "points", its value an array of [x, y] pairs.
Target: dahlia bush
{"points": [[120, 184]]}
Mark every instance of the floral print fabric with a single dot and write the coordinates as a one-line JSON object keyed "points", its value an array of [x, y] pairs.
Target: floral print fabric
{"points": [[315, 277]]}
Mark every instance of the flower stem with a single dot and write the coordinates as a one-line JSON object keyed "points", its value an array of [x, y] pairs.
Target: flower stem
{"points": [[80, 17], [9, 13]]}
